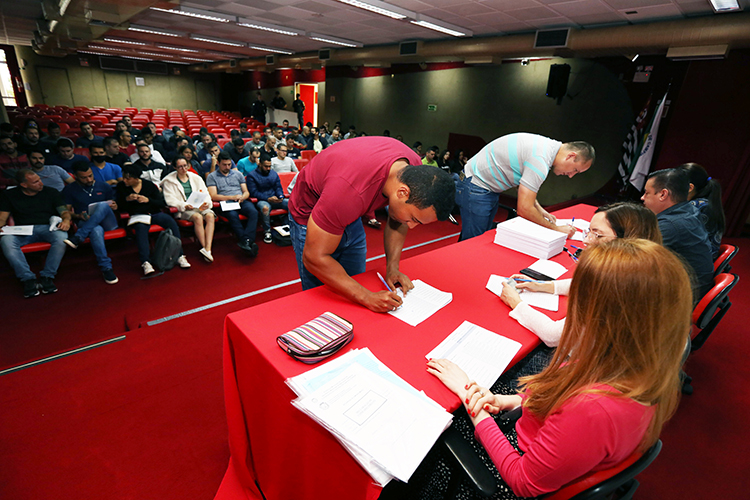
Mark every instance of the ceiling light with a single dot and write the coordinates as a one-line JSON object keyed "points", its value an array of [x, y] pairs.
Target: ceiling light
{"points": [[119, 40], [198, 14], [155, 54], [334, 40], [196, 59], [270, 49], [440, 26], [139, 58], [725, 5], [248, 23], [153, 31], [52, 25], [381, 8], [90, 52], [99, 47], [634, 58], [63, 6], [177, 62], [181, 49], [220, 41]]}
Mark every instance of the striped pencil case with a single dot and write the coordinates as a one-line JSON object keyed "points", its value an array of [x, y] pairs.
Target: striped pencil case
{"points": [[317, 339]]}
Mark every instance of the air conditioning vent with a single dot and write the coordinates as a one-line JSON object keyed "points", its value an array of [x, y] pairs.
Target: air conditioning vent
{"points": [[324, 54], [270, 60], [408, 48], [119, 64], [551, 38]]}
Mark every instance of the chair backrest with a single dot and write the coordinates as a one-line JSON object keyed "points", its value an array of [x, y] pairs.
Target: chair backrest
{"points": [[600, 484], [704, 311], [286, 179], [726, 254], [308, 155]]}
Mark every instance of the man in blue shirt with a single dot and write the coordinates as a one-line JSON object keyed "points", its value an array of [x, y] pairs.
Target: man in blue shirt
{"points": [[264, 184], [65, 156], [108, 173], [51, 175], [92, 221], [249, 163], [87, 136]]}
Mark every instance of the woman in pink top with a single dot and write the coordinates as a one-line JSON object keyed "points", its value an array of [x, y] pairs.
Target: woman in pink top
{"points": [[612, 383]]}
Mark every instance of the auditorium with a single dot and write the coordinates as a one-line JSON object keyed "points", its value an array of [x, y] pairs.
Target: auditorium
{"points": [[224, 175]]}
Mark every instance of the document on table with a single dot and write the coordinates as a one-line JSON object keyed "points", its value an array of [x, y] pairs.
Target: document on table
{"points": [[227, 206], [18, 230], [391, 425], [198, 198], [482, 354], [548, 301], [580, 224], [140, 218], [420, 303], [548, 267]]}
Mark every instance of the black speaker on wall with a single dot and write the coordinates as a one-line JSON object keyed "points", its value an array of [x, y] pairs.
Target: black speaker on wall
{"points": [[557, 84]]}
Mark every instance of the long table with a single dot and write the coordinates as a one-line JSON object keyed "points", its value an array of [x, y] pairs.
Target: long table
{"points": [[281, 451]]}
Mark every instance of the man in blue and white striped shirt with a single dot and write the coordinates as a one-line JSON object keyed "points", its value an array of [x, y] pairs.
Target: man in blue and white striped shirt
{"points": [[516, 160]]}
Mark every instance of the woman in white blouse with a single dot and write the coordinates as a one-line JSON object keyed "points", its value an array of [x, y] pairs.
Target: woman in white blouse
{"points": [[178, 188]]}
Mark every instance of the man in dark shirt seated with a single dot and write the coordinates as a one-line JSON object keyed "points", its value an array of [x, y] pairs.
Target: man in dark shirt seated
{"points": [[11, 161], [679, 222], [91, 204], [236, 149], [30, 138], [264, 184], [87, 136], [244, 132], [49, 143], [34, 204], [113, 153], [65, 156]]}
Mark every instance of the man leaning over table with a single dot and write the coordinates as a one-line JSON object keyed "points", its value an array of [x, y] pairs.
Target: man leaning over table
{"points": [[516, 160], [337, 188]]}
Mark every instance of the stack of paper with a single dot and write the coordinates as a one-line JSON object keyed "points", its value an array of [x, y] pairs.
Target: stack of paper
{"points": [[420, 303], [532, 239], [384, 423]]}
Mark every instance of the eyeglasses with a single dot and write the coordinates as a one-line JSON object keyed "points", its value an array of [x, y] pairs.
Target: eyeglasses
{"points": [[587, 232]]}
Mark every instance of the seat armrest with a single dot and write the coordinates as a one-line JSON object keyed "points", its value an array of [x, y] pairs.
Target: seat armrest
{"points": [[464, 456]]}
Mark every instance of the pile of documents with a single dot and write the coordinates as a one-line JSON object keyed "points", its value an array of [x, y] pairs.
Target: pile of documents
{"points": [[532, 239], [382, 421]]}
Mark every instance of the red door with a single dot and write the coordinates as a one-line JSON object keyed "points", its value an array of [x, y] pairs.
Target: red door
{"points": [[309, 97]]}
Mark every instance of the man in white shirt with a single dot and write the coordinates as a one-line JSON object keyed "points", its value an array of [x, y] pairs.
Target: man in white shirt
{"points": [[282, 163]]}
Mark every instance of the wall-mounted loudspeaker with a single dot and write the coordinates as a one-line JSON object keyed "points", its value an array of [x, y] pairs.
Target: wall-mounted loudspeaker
{"points": [[557, 84]]}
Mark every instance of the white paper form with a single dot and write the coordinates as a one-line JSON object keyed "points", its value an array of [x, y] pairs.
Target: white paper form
{"points": [[18, 230], [139, 219], [94, 206], [420, 303], [482, 354], [578, 223], [391, 425], [227, 206], [548, 267], [548, 301], [198, 198]]}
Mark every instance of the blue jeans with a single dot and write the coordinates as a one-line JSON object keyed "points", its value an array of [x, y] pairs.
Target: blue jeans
{"points": [[350, 253], [12, 249], [478, 208], [141, 233], [248, 210], [265, 208], [103, 219]]}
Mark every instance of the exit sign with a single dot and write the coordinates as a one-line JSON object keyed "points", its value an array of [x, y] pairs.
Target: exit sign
{"points": [[432, 107]]}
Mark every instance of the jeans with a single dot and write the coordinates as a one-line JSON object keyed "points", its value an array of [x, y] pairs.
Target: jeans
{"points": [[478, 208], [350, 253], [102, 219], [265, 208], [141, 233], [12, 249], [248, 210]]}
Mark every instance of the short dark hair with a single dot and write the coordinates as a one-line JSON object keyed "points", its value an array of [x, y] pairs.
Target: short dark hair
{"points": [[352, 127], [64, 142], [234, 133], [223, 156], [146, 131], [80, 166], [141, 144], [435, 149], [212, 145], [429, 187], [132, 170], [675, 180], [52, 126], [95, 144], [243, 124], [583, 149], [183, 148], [82, 124], [175, 129], [109, 140], [119, 122], [265, 157], [35, 149], [237, 142]]}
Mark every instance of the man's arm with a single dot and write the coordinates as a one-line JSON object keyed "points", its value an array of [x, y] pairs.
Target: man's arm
{"points": [[4, 218], [394, 236], [319, 246], [66, 217], [527, 208], [215, 196]]}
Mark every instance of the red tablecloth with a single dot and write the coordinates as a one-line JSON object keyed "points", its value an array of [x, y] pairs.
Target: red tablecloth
{"points": [[276, 447]]}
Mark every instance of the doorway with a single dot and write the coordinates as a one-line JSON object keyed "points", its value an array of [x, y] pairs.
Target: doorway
{"points": [[309, 94]]}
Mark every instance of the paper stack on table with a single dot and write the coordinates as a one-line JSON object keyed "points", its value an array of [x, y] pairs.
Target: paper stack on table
{"points": [[420, 303], [384, 423], [532, 239]]}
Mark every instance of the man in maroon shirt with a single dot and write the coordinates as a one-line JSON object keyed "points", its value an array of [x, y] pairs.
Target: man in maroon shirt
{"points": [[337, 188], [11, 160]]}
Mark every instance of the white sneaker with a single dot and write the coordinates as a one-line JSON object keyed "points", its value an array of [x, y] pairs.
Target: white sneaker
{"points": [[147, 268], [206, 255], [268, 238], [182, 262]]}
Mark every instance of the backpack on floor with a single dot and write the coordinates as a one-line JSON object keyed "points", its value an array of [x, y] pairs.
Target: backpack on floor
{"points": [[166, 251], [281, 236]]}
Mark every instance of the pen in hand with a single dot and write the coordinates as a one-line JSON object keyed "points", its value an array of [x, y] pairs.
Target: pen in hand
{"points": [[384, 283]]}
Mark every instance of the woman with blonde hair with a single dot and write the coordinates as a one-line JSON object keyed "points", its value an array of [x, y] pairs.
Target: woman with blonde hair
{"points": [[614, 380], [177, 187]]}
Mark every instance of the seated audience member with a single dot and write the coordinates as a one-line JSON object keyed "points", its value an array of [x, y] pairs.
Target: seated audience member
{"points": [[417, 147], [264, 184], [334, 137], [11, 160], [315, 143], [444, 160], [619, 220], [400, 138], [171, 135], [51, 175], [138, 196], [292, 149], [705, 195], [249, 163], [49, 143], [304, 138], [124, 142], [254, 143], [92, 222], [236, 149], [352, 132], [6, 129], [198, 139], [65, 156], [211, 164], [363, 134], [147, 136], [281, 163], [611, 386], [134, 132], [458, 162], [285, 126], [178, 186], [30, 137], [269, 147], [187, 153], [87, 136], [278, 134], [228, 184], [34, 204], [149, 167], [159, 141], [203, 146], [325, 137], [103, 171], [267, 132], [244, 132], [386, 133], [120, 126], [113, 153], [681, 228], [430, 157]]}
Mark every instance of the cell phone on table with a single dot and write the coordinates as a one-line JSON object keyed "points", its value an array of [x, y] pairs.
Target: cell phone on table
{"points": [[535, 275]]}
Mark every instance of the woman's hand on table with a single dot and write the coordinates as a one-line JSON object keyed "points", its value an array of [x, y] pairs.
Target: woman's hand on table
{"points": [[510, 295], [533, 286], [451, 375]]}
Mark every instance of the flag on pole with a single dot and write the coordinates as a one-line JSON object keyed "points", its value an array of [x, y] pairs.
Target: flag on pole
{"points": [[631, 145], [643, 165]]}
